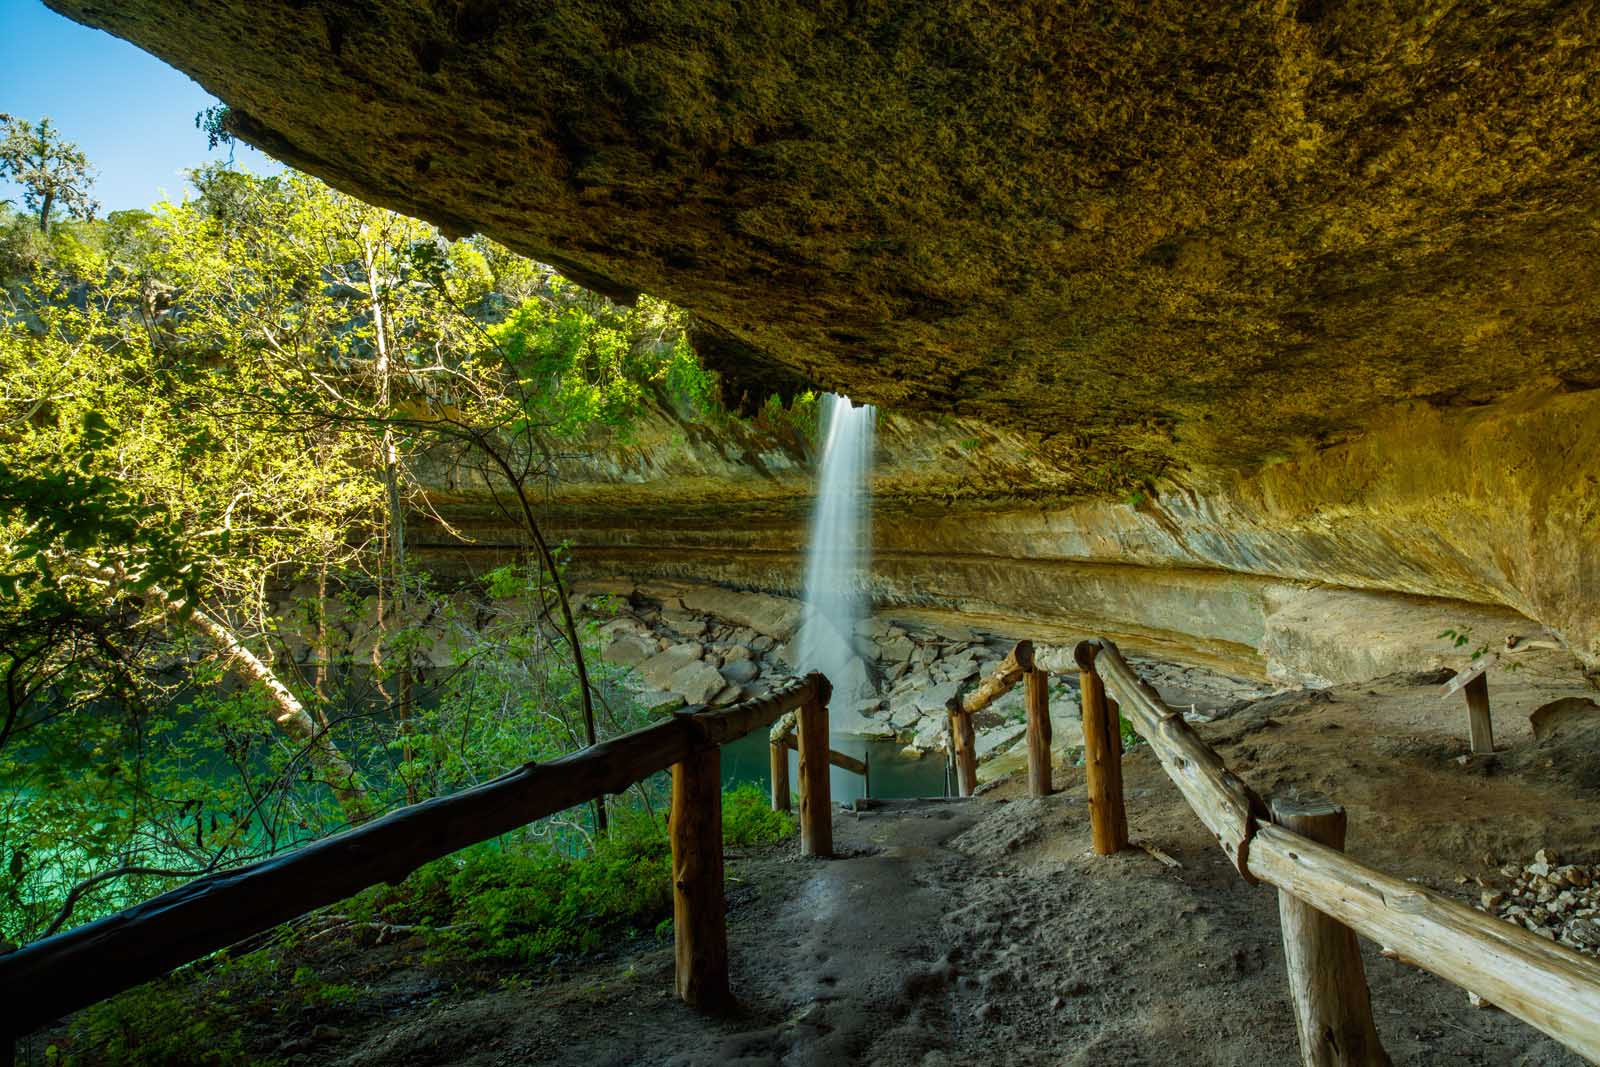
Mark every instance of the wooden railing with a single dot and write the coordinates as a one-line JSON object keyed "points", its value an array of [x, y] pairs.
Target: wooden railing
{"points": [[1295, 846], [52, 977], [1016, 667], [780, 740]]}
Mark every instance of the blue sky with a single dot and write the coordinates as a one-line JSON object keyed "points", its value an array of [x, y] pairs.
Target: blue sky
{"points": [[131, 113]]}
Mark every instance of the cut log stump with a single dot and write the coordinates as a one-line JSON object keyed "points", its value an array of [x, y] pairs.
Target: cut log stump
{"points": [[699, 913], [1332, 1007], [816, 805]]}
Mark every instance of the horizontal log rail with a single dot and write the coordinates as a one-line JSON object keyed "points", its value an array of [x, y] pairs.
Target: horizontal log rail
{"points": [[786, 732], [835, 757], [783, 737], [55, 976], [1545, 984], [1017, 666]]}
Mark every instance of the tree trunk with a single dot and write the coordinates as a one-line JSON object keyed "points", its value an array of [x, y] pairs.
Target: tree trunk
{"points": [[291, 715], [395, 527], [569, 624]]}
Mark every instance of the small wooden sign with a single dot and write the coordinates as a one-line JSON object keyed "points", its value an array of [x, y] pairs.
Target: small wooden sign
{"points": [[1474, 669]]}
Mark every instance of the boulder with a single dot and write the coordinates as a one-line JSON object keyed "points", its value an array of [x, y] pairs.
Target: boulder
{"points": [[896, 649], [959, 669], [933, 699], [855, 684], [905, 716], [683, 623], [874, 627], [856, 719], [761, 643], [932, 733], [629, 650], [740, 671], [728, 694], [698, 682], [994, 739], [657, 702], [774, 616], [733, 653], [658, 670]]}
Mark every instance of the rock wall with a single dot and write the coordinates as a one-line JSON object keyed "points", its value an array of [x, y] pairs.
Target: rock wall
{"points": [[1328, 565]]}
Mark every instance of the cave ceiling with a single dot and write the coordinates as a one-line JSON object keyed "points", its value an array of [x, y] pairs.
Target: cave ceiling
{"points": [[1155, 234]]}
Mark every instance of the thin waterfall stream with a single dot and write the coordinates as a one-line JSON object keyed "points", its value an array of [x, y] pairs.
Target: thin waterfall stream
{"points": [[840, 551]]}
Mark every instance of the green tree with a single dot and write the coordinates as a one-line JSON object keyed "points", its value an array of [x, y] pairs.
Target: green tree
{"points": [[53, 172]]}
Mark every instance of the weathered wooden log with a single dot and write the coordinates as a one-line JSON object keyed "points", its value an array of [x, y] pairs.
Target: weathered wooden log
{"points": [[778, 762], [57, 975], [1327, 982], [963, 748], [1218, 796], [1479, 727], [1102, 762], [699, 913], [1012, 669], [816, 803], [1541, 982], [835, 757], [1038, 696]]}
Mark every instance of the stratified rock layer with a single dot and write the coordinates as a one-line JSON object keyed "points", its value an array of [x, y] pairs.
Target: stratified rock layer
{"points": [[1334, 564]]}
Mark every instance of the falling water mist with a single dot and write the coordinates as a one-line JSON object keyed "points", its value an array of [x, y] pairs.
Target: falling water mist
{"points": [[836, 567]]}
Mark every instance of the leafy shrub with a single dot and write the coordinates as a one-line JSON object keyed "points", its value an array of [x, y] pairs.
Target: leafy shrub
{"points": [[748, 818], [534, 901]]}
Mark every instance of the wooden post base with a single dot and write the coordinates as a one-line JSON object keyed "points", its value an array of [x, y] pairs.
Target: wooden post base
{"points": [[963, 749], [1479, 726], [1332, 1007], [778, 764], [816, 803], [1102, 760], [1038, 703], [699, 913]]}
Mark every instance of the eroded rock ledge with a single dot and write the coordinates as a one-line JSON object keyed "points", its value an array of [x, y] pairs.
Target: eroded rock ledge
{"points": [[1170, 235], [1332, 565]]}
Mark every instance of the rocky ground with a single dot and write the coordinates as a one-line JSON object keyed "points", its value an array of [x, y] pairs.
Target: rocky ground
{"points": [[693, 644], [952, 932]]}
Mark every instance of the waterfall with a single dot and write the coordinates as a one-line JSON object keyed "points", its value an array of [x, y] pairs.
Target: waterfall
{"points": [[836, 565]]}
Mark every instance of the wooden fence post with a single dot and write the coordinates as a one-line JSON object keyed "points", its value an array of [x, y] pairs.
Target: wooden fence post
{"points": [[1108, 820], [963, 748], [816, 805], [1038, 700], [1332, 1007], [1479, 727], [699, 914], [778, 762]]}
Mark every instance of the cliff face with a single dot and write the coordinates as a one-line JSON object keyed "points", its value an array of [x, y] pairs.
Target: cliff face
{"points": [[1180, 306], [1334, 564]]}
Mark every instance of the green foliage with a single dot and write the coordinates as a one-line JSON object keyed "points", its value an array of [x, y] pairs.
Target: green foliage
{"points": [[218, 399], [54, 173], [535, 900], [581, 365], [1130, 737], [154, 1025], [748, 818], [1462, 637]]}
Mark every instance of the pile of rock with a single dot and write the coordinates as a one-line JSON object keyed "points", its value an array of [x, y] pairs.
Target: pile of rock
{"points": [[1554, 900], [679, 656], [688, 645]]}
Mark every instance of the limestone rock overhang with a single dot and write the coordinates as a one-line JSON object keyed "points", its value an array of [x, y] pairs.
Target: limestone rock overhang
{"points": [[1157, 235]]}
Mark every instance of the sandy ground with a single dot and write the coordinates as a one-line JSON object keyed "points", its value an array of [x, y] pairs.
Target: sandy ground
{"points": [[985, 931]]}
